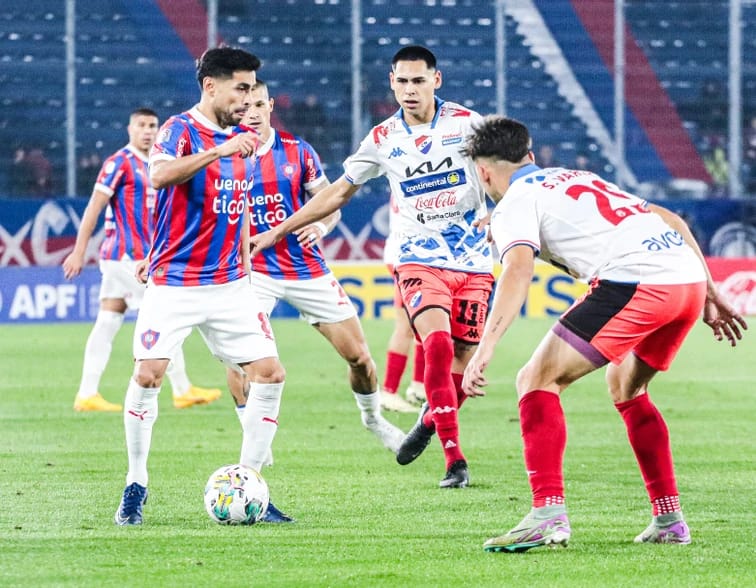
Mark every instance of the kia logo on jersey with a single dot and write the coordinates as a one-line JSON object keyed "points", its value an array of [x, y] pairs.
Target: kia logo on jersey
{"points": [[423, 143]]}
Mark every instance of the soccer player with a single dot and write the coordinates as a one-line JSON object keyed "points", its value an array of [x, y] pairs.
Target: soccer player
{"points": [[648, 285], [201, 166], [123, 189], [444, 267], [402, 339], [288, 172]]}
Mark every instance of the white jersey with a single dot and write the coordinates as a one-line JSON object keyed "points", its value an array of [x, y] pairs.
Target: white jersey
{"points": [[590, 228], [435, 188]]}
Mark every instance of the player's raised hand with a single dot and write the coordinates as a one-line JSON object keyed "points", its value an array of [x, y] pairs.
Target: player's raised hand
{"points": [[723, 320], [245, 144]]}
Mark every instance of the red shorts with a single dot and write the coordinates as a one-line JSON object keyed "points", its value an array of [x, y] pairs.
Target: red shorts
{"points": [[612, 319], [464, 296]]}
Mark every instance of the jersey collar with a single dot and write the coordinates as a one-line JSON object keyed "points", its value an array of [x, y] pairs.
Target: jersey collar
{"points": [[268, 145], [206, 122], [400, 115], [523, 171], [137, 153]]}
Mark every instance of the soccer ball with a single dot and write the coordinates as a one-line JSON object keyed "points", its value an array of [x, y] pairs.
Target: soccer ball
{"points": [[236, 495]]}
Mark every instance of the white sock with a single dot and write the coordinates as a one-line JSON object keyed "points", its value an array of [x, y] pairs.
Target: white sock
{"points": [[97, 351], [140, 411], [240, 413], [369, 405], [260, 423], [176, 373]]}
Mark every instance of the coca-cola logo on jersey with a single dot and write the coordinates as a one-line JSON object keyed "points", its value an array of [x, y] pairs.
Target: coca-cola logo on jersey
{"points": [[435, 201]]}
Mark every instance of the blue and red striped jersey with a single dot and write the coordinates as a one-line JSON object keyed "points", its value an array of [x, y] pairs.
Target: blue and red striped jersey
{"points": [[129, 215], [287, 167], [198, 224]]}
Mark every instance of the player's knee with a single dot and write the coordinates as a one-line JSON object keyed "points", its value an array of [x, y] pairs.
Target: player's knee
{"points": [[360, 359], [148, 374], [266, 371]]}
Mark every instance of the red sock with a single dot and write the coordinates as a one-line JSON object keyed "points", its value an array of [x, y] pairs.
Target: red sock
{"points": [[544, 435], [442, 398], [649, 438], [395, 364], [418, 371], [461, 396]]}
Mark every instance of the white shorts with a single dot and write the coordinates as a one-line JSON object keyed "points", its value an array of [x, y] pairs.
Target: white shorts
{"points": [[119, 281], [234, 326], [318, 300]]}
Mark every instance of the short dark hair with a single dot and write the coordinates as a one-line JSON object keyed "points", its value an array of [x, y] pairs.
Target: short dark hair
{"points": [[415, 53], [499, 138], [143, 111], [222, 62]]}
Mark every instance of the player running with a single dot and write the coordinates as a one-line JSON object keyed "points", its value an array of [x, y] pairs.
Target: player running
{"points": [[648, 285], [444, 267]]}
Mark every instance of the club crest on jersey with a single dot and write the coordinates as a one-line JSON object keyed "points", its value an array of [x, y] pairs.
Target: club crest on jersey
{"points": [[288, 169], [423, 143], [149, 338]]}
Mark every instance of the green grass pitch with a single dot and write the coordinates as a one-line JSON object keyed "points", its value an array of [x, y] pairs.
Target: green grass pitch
{"points": [[362, 520]]}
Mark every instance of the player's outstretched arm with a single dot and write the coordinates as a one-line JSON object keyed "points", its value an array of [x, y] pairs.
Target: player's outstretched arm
{"points": [[718, 314], [323, 204], [511, 290]]}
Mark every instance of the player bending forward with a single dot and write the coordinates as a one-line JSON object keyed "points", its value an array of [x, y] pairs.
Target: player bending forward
{"points": [[643, 300]]}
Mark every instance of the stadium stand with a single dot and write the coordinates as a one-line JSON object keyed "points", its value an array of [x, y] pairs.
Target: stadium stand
{"points": [[129, 54]]}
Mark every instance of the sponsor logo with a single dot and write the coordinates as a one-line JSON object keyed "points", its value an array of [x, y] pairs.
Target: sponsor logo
{"points": [[472, 334], [396, 152], [420, 217], [440, 200], [433, 183], [232, 184], [444, 409], [451, 139], [427, 167], [233, 208], [424, 143], [416, 299], [440, 215], [268, 209], [289, 141], [664, 241], [138, 414], [149, 338]]}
